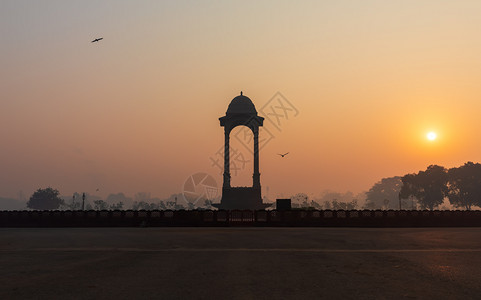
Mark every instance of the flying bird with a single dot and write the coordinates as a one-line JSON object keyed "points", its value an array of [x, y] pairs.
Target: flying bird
{"points": [[97, 39], [282, 155]]}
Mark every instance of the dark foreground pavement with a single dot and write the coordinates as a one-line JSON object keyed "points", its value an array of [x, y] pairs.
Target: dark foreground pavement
{"points": [[240, 263]]}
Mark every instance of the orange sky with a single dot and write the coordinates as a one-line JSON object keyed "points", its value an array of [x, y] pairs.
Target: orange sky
{"points": [[139, 110]]}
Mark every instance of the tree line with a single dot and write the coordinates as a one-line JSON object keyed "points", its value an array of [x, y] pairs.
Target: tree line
{"points": [[430, 189], [427, 189], [50, 199], [460, 185]]}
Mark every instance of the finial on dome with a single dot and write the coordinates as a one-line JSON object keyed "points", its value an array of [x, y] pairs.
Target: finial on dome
{"points": [[241, 93]]}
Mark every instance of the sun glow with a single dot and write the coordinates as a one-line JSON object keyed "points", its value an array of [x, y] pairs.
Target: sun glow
{"points": [[431, 136]]}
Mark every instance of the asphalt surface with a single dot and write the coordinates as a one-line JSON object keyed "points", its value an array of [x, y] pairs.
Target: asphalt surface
{"points": [[240, 263]]}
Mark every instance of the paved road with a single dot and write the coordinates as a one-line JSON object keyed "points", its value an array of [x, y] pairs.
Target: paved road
{"points": [[240, 263]]}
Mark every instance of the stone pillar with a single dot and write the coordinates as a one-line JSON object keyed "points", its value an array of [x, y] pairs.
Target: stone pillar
{"points": [[256, 177], [226, 159]]}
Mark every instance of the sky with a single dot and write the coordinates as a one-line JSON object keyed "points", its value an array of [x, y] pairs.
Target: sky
{"points": [[138, 111]]}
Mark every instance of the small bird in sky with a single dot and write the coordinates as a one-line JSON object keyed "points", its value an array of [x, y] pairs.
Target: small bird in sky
{"points": [[97, 190], [97, 39], [282, 155]]}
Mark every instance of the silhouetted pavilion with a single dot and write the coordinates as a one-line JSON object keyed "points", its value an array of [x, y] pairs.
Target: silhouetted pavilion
{"points": [[241, 111]]}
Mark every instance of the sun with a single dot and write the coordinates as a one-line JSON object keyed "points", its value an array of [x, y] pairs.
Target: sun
{"points": [[431, 135]]}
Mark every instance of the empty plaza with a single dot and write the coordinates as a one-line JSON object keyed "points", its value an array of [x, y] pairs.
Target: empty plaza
{"points": [[240, 263]]}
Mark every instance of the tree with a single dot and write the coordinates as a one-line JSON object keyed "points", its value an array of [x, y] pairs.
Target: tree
{"points": [[100, 205], [162, 205], [344, 205], [71, 206], [327, 204], [300, 200], [464, 185], [384, 194], [119, 197], [407, 188], [142, 197], [315, 205], [45, 199], [429, 187], [144, 205], [117, 206], [339, 197]]}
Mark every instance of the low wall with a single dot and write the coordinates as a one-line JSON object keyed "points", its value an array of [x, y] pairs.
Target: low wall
{"points": [[289, 218]]}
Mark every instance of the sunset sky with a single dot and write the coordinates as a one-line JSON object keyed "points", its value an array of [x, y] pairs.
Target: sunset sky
{"points": [[138, 111]]}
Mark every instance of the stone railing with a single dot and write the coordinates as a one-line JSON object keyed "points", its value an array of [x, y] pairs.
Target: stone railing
{"points": [[260, 218]]}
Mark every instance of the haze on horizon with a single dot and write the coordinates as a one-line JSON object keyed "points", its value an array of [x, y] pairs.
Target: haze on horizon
{"points": [[138, 111]]}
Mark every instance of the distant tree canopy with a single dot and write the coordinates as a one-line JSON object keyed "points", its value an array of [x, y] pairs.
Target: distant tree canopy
{"points": [[100, 205], [384, 193], [344, 205], [336, 200], [464, 185], [300, 200], [143, 205], [119, 197], [45, 199], [429, 187], [117, 206], [328, 200]]}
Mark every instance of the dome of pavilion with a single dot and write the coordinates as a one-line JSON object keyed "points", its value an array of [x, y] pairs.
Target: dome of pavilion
{"points": [[241, 105]]}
